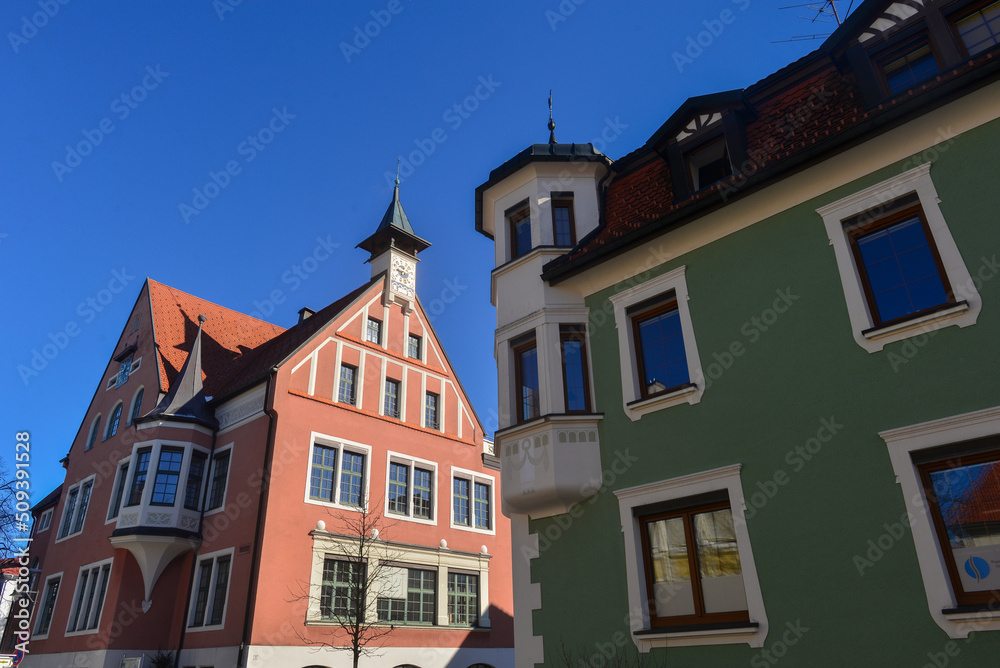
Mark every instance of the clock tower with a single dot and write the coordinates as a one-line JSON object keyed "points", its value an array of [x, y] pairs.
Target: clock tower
{"points": [[394, 248]]}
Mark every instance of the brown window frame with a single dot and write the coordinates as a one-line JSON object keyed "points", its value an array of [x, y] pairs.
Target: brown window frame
{"points": [[575, 334], [563, 200], [961, 14], [514, 216], [924, 470], [517, 350], [896, 51], [699, 616], [704, 145], [858, 229], [639, 314]]}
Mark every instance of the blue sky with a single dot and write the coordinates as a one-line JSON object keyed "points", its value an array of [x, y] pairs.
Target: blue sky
{"points": [[116, 116]]}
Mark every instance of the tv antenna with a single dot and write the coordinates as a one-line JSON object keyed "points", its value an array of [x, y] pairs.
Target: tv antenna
{"points": [[821, 12]]}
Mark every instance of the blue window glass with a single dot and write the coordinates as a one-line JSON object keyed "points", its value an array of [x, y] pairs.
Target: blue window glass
{"points": [[910, 68], [324, 462], [575, 372], [399, 478], [116, 417], [527, 381], [352, 473], [520, 228], [661, 348], [460, 501], [980, 30], [900, 270], [168, 473]]}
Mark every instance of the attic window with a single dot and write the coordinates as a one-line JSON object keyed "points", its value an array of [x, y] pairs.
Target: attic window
{"points": [[708, 164], [908, 65], [980, 30]]}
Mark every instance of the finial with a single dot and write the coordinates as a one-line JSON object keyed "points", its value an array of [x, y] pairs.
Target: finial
{"points": [[202, 319], [397, 172], [552, 123]]}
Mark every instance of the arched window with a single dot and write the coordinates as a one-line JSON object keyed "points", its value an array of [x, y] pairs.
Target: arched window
{"points": [[94, 430], [136, 407], [116, 415]]}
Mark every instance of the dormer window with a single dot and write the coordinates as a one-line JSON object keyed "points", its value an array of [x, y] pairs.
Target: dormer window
{"points": [[980, 30], [563, 220], [708, 163], [519, 222], [908, 65]]}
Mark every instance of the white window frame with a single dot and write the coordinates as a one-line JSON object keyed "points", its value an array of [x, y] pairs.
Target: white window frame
{"points": [[214, 556], [725, 479], [340, 445], [45, 587], [412, 462], [903, 443], [632, 402], [918, 181], [473, 477], [423, 412], [131, 407], [125, 491], [44, 521], [76, 508], [74, 601], [208, 479]]}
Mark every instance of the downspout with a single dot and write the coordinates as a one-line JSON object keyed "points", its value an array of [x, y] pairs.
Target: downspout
{"points": [[265, 483], [194, 555]]}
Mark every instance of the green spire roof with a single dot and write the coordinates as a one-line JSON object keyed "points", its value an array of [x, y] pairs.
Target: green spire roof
{"points": [[395, 229]]}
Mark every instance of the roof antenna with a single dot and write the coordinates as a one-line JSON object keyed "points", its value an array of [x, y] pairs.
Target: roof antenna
{"points": [[824, 11], [552, 123]]}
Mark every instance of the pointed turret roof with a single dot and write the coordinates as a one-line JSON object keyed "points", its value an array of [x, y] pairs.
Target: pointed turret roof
{"points": [[395, 229], [186, 398]]}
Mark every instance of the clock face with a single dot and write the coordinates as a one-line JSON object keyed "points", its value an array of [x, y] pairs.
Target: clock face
{"points": [[403, 275]]}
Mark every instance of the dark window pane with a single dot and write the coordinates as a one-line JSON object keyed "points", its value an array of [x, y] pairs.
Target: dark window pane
{"points": [[168, 472], [324, 462], [351, 478], [910, 68], [573, 364], [529, 390], [520, 224], [423, 494], [399, 476], [661, 342], [346, 390]]}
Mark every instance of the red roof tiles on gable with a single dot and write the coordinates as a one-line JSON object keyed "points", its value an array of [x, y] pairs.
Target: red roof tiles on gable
{"points": [[227, 336]]}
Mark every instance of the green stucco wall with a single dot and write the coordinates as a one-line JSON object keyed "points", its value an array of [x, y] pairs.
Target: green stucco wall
{"points": [[804, 369]]}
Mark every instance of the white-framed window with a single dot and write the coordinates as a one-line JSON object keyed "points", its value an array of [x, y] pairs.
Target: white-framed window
{"points": [[95, 429], [654, 316], [966, 565], [75, 508], [411, 486], [706, 504], [136, 409], [411, 584], [88, 599], [900, 269], [210, 591], [472, 502], [44, 521], [119, 491], [50, 595], [338, 472], [218, 479]]}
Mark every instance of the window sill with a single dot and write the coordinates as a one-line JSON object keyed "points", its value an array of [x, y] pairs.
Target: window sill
{"points": [[911, 327], [683, 394], [700, 634], [964, 612]]}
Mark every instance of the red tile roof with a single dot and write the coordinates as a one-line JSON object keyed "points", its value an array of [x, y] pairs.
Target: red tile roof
{"points": [[983, 503], [822, 106], [227, 337]]}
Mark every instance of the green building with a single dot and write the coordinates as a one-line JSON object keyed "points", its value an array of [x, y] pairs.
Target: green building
{"points": [[749, 398]]}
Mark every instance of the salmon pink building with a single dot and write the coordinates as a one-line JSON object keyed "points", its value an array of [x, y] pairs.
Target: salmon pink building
{"points": [[212, 494]]}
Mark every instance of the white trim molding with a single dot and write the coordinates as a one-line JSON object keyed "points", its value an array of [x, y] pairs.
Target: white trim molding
{"points": [[915, 181], [903, 443], [670, 282], [725, 479]]}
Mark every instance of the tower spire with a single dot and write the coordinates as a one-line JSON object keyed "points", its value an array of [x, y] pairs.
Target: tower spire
{"points": [[552, 123]]}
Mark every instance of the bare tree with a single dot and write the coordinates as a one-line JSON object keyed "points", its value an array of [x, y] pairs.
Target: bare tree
{"points": [[352, 579], [11, 526], [607, 655]]}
